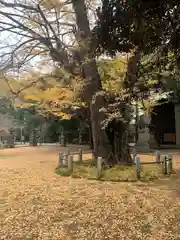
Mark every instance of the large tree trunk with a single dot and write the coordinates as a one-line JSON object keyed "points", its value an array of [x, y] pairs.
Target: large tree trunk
{"points": [[124, 150], [118, 133], [100, 139], [91, 80], [132, 67]]}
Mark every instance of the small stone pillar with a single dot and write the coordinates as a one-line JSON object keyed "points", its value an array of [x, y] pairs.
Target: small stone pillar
{"points": [[70, 163], [62, 140]]}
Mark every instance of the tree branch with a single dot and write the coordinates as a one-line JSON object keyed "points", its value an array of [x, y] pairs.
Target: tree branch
{"points": [[46, 21], [18, 5], [16, 93], [35, 35]]}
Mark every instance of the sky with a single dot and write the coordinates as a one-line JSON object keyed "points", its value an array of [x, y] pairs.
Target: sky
{"points": [[10, 38]]}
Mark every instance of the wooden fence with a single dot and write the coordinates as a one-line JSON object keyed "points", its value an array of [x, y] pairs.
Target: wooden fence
{"points": [[165, 161]]}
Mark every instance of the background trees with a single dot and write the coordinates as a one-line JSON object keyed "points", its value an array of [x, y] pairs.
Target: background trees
{"points": [[68, 78], [149, 28], [148, 31], [40, 28]]}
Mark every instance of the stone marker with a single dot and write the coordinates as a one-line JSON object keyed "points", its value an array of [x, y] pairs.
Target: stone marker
{"points": [[137, 162], [99, 167], [60, 160], [66, 155], [169, 164], [162, 161], [134, 154], [62, 140], [70, 163], [165, 165], [80, 156]]}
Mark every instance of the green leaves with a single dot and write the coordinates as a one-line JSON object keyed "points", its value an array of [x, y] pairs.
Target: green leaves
{"points": [[146, 25], [112, 73]]}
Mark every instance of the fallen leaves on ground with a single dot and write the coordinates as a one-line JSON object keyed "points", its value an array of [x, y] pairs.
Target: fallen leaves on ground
{"points": [[36, 203]]}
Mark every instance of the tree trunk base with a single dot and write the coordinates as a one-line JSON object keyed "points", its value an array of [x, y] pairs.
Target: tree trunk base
{"points": [[100, 139], [119, 158]]}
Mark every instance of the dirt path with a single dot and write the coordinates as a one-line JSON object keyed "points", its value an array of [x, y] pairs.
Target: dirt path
{"points": [[35, 203]]}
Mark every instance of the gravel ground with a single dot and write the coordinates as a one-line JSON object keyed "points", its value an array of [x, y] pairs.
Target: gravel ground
{"points": [[35, 203]]}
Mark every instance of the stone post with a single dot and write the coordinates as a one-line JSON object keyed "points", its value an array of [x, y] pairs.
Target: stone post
{"points": [[100, 163], [66, 156], [80, 156], [60, 160], [62, 140], [70, 163], [137, 162]]}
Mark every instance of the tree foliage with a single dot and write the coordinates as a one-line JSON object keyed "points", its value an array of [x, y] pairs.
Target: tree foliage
{"points": [[146, 25], [41, 29], [150, 29]]}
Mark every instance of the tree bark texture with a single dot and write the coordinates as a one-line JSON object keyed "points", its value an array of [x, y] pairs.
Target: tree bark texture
{"points": [[118, 133], [91, 79], [132, 66]]}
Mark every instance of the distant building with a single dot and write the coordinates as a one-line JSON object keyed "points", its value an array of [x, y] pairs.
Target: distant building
{"points": [[164, 124], [162, 130]]}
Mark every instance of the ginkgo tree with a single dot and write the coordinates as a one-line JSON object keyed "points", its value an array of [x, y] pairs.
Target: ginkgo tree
{"points": [[64, 100], [52, 95], [61, 30]]}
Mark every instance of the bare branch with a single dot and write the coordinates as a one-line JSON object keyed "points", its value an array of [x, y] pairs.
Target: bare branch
{"points": [[29, 18], [16, 93], [17, 5], [30, 57], [46, 21], [57, 22], [48, 32], [22, 26], [16, 32]]}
